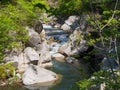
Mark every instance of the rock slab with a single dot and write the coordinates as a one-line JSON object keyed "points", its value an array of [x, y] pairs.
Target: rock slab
{"points": [[35, 74]]}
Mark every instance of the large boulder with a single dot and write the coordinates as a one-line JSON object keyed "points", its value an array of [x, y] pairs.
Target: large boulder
{"points": [[75, 45], [71, 23], [70, 49], [38, 27], [65, 49], [25, 58], [34, 37], [35, 74], [43, 51]]}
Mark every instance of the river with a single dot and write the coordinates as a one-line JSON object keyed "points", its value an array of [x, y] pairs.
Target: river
{"points": [[68, 73]]}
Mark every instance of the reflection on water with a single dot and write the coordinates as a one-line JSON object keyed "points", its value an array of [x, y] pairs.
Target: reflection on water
{"points": [[69, 77]]}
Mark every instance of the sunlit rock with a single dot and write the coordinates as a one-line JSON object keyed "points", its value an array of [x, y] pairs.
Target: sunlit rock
{"points": [[43, 51], [31, 54], [71, 23], [66, 27], [22, 62], [35, 74], [58, 57]]}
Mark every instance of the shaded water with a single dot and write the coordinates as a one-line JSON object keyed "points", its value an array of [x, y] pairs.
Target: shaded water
{"points": [[69, 74]]}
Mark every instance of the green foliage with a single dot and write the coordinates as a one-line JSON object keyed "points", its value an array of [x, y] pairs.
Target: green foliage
{"points": [[71, 7], [67, 7], [5, 1], [118, 50], [15, 15], [111, 30], [98, 78], [84, 84], [86, 58], [14, 79], [104, 35], [41, 4], [76, 56], [6, 70]]}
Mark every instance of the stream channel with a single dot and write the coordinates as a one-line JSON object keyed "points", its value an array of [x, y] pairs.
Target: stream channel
{"points": [[69, 74]]}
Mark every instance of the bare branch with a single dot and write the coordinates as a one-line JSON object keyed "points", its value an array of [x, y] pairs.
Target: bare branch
{"points": [[111, 16]]}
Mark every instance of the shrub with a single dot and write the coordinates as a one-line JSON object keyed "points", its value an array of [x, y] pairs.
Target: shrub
{"points": [[15, 15], [6, 70]]}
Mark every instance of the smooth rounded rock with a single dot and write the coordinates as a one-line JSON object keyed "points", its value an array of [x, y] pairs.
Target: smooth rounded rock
{"points": [[58, 57]]}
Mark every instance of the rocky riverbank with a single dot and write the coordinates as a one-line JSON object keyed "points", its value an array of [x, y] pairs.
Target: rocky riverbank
{"points": [[31, 61]]}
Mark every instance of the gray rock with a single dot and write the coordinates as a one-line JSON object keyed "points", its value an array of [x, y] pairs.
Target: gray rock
{"points": [[12, 55], [28, 56], [31, 54], [46, 65], [35, 74], [71, 23], [43, 51], [71, 20], [82, 46], [42, 35], [66, 27], [70, 59], [73, 61], [70, 48], [83, 22], [34, 38], [38, 27], [22, 62], [75, 45], [106, 63], [11, 58], [75, 35], [65, 49]]}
